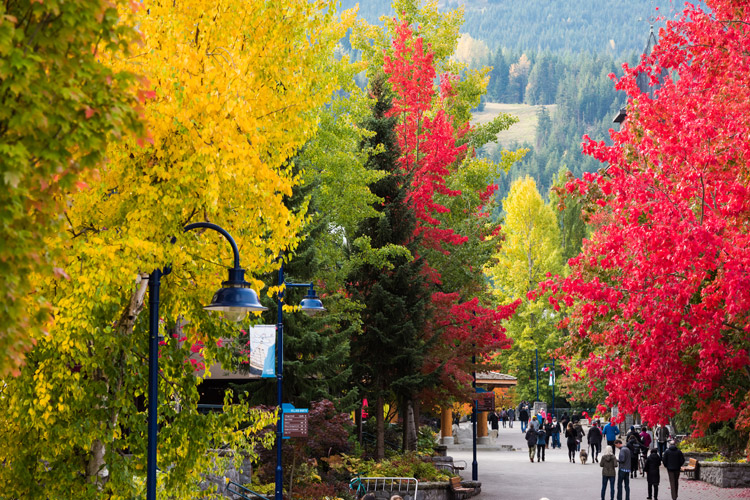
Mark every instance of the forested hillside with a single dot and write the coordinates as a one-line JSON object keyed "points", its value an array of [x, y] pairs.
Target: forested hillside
{"points": [[603, 26], [585, 99], [550, 53]]}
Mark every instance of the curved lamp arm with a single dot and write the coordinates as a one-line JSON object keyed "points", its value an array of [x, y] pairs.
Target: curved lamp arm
{"points": [[222, 231], [236, 298]]}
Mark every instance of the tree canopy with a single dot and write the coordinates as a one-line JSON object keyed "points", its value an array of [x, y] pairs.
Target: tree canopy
{"points": [[662, 284]]}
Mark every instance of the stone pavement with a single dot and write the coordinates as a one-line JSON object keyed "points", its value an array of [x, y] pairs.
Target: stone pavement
{"points": [[508, 475]]}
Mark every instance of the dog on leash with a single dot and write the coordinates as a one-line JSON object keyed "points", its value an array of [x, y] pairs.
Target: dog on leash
{"points": [[584, 456]]}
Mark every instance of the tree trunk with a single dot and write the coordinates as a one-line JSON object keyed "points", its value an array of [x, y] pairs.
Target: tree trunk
{"points": [[410, 444], [380, 424], [96, 464]]}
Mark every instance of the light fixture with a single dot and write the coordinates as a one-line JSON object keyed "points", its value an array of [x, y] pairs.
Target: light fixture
{"points": [[235, 299], [311, 304]]}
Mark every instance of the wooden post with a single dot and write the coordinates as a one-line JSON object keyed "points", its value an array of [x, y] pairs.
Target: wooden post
{"points": [[446, 426], [482, 436]]}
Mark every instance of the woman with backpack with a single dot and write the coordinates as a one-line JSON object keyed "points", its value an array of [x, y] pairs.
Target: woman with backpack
{"points": [[572, 441]]}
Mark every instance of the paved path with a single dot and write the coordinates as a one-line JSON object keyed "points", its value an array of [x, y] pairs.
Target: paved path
{"points": [[508, 475]]}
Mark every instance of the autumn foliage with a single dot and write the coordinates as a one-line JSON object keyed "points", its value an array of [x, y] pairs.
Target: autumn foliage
{"points": [[660, 294], [427, 139], [431, 151]]}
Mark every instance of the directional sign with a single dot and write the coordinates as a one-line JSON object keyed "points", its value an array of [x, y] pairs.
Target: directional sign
{"points": [[485, 401], [295, 422]]}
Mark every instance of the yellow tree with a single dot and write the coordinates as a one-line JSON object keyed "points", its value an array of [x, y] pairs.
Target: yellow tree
{"points": [[529, 250], [50, 82], [235, 91]]}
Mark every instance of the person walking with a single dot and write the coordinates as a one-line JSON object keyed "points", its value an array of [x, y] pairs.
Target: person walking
{"points": [[534, 422], [632, 432], [646, 438], [548, 433], [610, 432], [531, 436], [523, 416], [653, 464], [595, 441], [673, 459], [608, 463], [494, 424], [652, 443], [565, 420], [555, 431], [579, 434], [662, 436], [635, 450], [541, 444], [571, 441], [623, 474], [504, 416], [511, 417]]}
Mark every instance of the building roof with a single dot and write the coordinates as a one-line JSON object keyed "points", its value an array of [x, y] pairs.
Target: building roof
{"points": [[496, 378]]}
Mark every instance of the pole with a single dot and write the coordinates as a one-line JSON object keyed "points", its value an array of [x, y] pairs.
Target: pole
{"points": [[154, 280], [474, 465], [554, 381], [279, 379], [536, 353]]}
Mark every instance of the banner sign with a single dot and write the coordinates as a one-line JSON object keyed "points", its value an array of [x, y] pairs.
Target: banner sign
{"points": [[263, 351]]}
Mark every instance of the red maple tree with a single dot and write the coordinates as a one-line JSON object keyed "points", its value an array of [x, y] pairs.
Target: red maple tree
{"points": [[660, 294], [430, 151], [428, 143]]}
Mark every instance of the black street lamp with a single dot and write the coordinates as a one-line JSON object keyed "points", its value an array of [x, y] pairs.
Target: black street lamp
{"points": [[235, 299], [310, 305]]}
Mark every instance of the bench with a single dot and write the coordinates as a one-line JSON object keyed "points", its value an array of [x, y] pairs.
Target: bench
{"points": [[458, 490], [446, 463], [689, 469]]}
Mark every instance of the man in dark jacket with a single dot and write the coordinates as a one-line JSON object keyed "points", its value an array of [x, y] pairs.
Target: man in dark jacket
{"points": [[523, 416], [494, 425], [531, 436], [595, 441], [623, 473], [653, 464], [662, 436], [673, 459]]}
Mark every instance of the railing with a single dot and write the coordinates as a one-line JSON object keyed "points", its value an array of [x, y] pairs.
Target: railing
{"points": [[401, 485], [244, 491]]}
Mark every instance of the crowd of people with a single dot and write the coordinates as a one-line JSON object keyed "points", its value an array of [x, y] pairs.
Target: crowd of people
{"points": [[643, 449]]}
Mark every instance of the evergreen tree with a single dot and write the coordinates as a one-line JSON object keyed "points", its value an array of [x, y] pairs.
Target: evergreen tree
{"points": [[386, 357]]}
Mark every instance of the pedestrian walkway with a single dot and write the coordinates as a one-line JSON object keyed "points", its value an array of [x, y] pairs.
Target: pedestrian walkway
{"points": [[508, 475]]}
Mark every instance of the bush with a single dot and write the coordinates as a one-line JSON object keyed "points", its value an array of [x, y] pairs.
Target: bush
{"points": [[408, 465]]}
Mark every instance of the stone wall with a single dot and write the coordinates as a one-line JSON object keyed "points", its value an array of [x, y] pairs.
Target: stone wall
{"points": [[217, 476], [724, 474]]}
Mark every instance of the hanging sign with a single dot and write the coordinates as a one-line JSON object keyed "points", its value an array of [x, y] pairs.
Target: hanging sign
{"points": [[263, 351]]}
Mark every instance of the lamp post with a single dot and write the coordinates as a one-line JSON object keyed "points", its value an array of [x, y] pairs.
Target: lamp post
{"points": [[536, 353], [474, 463], [553, 380], [310, 305], [234, 300]]}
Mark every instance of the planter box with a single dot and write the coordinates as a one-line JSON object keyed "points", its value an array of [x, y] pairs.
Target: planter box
{"points": [[725, 474], [431, 491]]}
